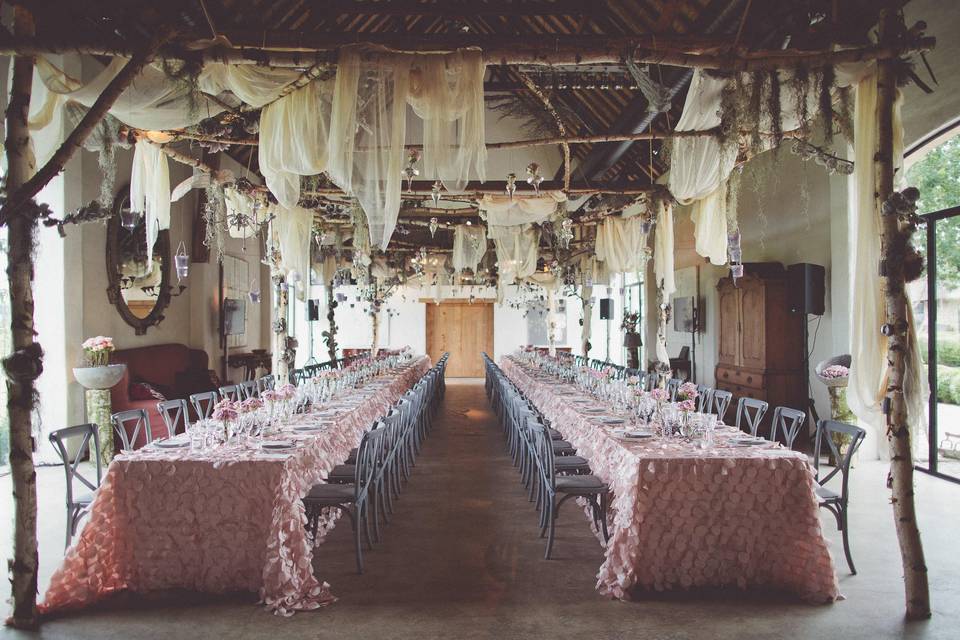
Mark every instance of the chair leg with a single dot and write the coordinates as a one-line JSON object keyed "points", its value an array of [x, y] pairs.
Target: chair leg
{"points": [[552, 518], [358, 548], [846, 541], [70, 525], [364, 515]]}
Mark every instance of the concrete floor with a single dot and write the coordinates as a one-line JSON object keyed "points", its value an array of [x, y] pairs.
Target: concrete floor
{"points": [[462, 560]]}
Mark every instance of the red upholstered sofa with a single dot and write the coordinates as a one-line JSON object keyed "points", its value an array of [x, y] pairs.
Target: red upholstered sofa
{"points": [[174, 370]]}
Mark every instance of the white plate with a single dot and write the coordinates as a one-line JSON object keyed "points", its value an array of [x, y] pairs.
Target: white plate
{"points": [[277, 444], [749, 442], [636, 435], [612, 421], [306, 428], [171, 444]]}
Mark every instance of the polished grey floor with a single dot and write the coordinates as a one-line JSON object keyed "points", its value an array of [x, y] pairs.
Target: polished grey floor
{"points": [[462, 560]]}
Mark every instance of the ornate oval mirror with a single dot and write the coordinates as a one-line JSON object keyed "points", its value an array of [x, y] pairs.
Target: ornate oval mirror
{"points": [[139, 279]]}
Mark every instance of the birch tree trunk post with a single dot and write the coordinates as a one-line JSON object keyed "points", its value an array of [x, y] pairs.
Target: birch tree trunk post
{"points": [[893, 243], [281, 368], [24, 365], [587, 296], [331, 333], [375, 322]]}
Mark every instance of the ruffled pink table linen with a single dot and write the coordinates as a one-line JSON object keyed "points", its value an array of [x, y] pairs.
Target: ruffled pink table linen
{"points": [[683, 517], [229, 519]]}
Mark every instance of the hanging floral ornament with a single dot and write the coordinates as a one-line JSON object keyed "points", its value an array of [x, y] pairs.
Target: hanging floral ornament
{"points": [[533, 177], [254, 292], [435, 193], [434, 224], [411, 172], [565, 233], [511, 184], [182, 262]]}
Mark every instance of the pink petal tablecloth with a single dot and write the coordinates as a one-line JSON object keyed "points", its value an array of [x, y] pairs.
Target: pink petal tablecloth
{"points": [[685, 517], [230, 519]]}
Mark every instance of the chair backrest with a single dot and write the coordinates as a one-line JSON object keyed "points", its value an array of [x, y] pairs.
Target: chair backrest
{"points": [[721, 401], [175, 415], [264, 383], [86, 432], [250, 389], [787, 421], [369, 457], [544, 453], [203, 404], [231, 392], [673, 385], [830, 431], [128, 434], [751, 411], [704, 399]]}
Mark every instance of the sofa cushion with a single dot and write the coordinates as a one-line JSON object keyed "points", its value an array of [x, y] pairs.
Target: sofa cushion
{"points": [[145, 391]]}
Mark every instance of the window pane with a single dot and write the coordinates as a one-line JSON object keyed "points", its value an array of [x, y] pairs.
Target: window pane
{"points": [[937, 175]]}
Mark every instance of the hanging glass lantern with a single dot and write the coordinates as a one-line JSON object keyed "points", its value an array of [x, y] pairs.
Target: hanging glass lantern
{"points": [[533, 177], [182, 262], [511, 184], [411, 172], [435, 193], [434, 223]]}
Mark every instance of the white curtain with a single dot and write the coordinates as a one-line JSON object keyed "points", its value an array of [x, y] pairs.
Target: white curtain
{"points": [[620, 244], [710, 215], [446, 91], [150, 190], [505, 211], [254, 85], [292, 231], [517, 251], [868, 347], [294, 139], [469, 247]]}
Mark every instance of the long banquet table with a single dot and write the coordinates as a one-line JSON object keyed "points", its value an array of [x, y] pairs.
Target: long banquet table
{"points": [[222, 520], [685, 517]]}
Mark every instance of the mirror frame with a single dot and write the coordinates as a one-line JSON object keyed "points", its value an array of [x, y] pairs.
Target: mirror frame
{"points": [[114, 294]]}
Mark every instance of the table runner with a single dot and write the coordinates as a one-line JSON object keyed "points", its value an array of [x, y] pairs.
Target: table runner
{"points": [[684, 517], [224, 520]]}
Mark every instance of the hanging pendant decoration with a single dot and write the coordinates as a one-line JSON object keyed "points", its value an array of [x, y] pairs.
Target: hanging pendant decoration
{"points": [[736, 255], [411, 172], [254, 292], [129, 218], [533, 177], [564, 233], [182, 262], [435, 193], [511, 184], [434, 223]]}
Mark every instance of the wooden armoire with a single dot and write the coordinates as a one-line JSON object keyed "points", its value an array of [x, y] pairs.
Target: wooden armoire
{"points": [[760, 340]]}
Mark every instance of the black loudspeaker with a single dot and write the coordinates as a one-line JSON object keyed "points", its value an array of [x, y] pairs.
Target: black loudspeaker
{"points": [[606, 308], [313, 310], [806, 288]]}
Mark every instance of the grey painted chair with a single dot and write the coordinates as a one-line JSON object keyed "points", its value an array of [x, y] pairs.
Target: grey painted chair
{"points": [[788, 422], [829, 431], [203, 404], [751, 412], [704, 399], [231, 392], [721, 402], [129, 424], [673, 385], [589, 487], [77, 502], [264, 383], [250, 389], [176, 416]]}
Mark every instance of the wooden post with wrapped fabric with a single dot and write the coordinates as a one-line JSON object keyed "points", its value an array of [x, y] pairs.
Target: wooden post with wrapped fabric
{"points": [[894, 242]]}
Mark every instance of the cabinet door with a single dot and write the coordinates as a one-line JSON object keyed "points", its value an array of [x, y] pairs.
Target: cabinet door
{"points": [[753, 326], [729, 325]]}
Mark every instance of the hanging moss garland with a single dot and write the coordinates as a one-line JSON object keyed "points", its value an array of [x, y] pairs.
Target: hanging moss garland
{"points": [[827, 78], [773, 107], [801, 92], [754, 107]]}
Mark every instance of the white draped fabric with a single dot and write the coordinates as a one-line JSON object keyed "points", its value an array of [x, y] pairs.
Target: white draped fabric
{"points": [[291, 229], [469, 247], [663, 270], [505, 211], [446, 91], [254, 85], [294, 139], [709, 215], [620, 244], [868, 347], [517, 251], [150, 190]]}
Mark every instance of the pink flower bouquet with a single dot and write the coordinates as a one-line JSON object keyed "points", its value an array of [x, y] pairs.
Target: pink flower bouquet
{"points": [[687, 391], [660, 395], [97, 351]]}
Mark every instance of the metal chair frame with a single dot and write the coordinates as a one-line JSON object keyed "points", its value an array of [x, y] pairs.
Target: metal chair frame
{"points": [[76, 509]]}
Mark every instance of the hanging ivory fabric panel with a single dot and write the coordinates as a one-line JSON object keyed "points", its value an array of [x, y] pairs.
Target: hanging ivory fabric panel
{"points": [[294, 140], [505, 211], [620, 244], [446, 91], [150, 190], [700, 165], [868, 346], [517, 251], [291, 228], [469, 247]]}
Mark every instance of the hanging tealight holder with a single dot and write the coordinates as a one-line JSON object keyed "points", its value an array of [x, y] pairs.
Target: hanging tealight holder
{"points": [[182, 262], [254, 292], [129, 218]]}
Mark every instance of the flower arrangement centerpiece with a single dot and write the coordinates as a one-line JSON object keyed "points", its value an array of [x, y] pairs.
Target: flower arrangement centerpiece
{"points": [[96, 351], [687, 397], [226, 413]]}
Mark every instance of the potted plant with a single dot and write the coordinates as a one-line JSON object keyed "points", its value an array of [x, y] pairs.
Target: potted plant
{"points": [[97, 372]]}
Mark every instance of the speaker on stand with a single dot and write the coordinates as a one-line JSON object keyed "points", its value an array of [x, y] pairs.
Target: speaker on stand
{"points": [[606, 313], [807, 293]]}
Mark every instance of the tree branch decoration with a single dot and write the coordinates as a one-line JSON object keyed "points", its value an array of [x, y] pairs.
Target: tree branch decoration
{"points": [[330, 335]]}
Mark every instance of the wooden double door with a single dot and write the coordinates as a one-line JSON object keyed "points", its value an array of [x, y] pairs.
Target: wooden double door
{"points": [[463, 330]]}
